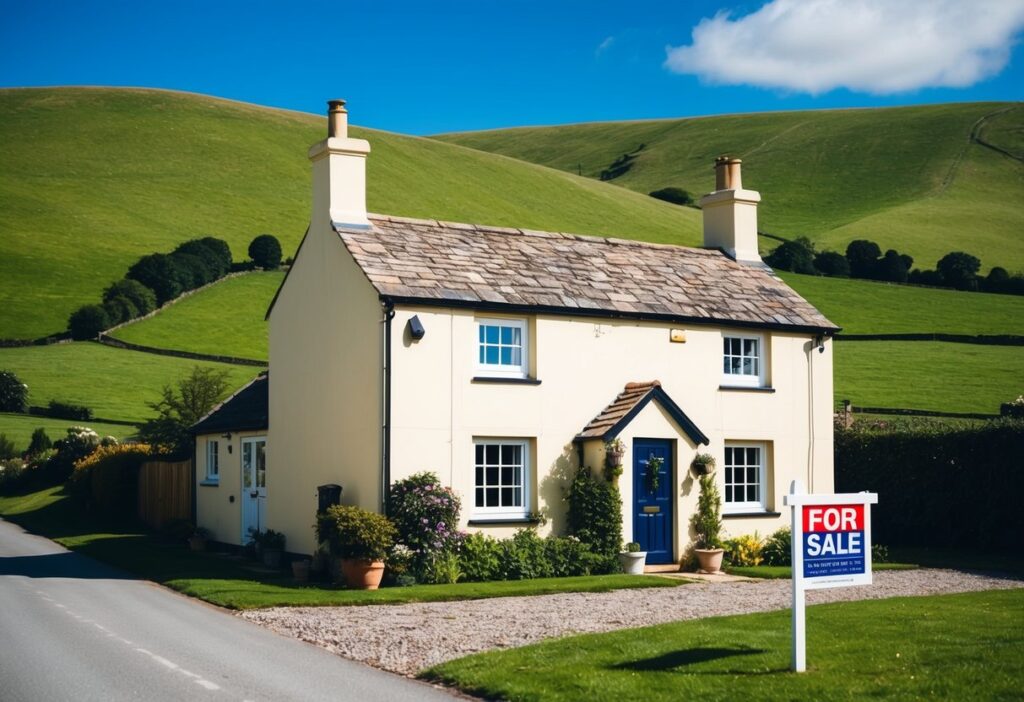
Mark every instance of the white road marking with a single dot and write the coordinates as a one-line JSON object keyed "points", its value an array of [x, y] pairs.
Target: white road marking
{"points": [[207, 684]]}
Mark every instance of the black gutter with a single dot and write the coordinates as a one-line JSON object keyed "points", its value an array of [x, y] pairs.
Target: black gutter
{"points": [[485, 306], [389, 314]]}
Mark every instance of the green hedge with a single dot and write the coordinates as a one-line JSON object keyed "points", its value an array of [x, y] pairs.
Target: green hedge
{"points": [[938, 486]]}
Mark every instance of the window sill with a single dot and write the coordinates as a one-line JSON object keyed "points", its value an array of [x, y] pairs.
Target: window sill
{"points": [[209, 483], [747, 515], [745, 388], [505, 381], [498, 521]]}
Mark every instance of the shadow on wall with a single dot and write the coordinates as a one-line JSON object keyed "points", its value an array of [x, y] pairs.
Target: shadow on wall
{"points": [[554, 488]]}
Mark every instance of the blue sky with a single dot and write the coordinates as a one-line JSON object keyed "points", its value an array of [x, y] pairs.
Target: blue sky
{"points": [[429, 67]]}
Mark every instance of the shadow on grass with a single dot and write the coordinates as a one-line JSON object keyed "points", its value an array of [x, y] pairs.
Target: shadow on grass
{"points": [[692, 656]]}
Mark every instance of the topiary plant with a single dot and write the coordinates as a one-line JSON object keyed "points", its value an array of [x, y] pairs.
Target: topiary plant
{"points": [[707, 520], [265, 251]]}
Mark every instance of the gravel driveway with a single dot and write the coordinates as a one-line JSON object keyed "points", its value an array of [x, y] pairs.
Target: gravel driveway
{"points": [[407, 638]]}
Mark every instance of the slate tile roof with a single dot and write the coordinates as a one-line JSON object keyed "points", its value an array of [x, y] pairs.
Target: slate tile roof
{"points": [[619, 408], [452, 263], [246, 410]]}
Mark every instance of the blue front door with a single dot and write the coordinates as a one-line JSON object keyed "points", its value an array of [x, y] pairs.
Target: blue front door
{"points": [[652, 499]]}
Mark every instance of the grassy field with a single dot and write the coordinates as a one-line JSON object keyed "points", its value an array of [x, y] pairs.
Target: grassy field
{"points": [[19, 427], [114, 383], [906, 177], [137, 171], [867, 307], [235, 583], [928, 375], [226, 319], [962, 647]]}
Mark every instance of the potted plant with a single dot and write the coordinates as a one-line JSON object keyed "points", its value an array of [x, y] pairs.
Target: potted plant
{"points": [[614, 450], [197, 542], [632, 559], [272, 546], [362, 539], [707, 524], [703, 464]]}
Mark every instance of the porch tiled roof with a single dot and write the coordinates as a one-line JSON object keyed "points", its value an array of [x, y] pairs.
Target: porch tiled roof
{"points": [[465, 264], [246, 410], [613, 418]]}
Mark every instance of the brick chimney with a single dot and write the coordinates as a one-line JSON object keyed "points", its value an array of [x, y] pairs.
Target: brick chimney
{"points": [[339, 173], [730, 213]]}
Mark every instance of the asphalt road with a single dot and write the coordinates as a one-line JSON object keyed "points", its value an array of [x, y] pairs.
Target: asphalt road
{"points": [[74, 629]]}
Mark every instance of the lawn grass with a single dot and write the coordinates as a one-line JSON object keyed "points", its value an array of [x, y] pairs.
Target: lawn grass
{"points": [[962, 647], [905, 177], [236, 583], [225, 319], [767, 572], [867, 307], [19, 427], [138, 171], [928, 375], [114, 383]]}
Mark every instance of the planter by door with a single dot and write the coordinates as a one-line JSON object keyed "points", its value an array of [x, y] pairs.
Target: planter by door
{"points": [[254, 485], [652, 510], [361, 574], [632, 562], [709, 559]]}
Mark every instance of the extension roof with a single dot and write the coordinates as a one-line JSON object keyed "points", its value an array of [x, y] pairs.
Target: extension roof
{"points": [[481, 267], [614, 418], [246, 410]]}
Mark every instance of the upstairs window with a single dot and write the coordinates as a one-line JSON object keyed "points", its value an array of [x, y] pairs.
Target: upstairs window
{"points": [[743, 360], [501, 348], [212, 461]]}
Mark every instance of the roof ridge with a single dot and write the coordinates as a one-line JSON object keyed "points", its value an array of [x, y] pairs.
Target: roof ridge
{"points": [[542, 234]]}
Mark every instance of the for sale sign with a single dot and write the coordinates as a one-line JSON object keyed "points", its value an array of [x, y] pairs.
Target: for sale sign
{"points": [[831, 548], [835, 541]]}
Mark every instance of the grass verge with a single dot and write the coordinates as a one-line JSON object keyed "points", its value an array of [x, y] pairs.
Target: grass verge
{"points": [[236, 583], [962, 647]]}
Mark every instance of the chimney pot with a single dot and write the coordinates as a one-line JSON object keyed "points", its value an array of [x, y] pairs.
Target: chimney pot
{"points": [[721, 173], [734, 178], [337, 119]]}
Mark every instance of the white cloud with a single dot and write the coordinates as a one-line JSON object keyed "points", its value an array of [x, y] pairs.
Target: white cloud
{"points": [[604, 46], [874, 46]]}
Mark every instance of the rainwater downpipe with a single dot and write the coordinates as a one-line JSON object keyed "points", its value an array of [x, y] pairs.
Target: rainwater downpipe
{"points": [[385, 449]]}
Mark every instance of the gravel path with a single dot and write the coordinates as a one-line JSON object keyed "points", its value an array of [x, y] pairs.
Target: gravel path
{"points": [[407, 638]]}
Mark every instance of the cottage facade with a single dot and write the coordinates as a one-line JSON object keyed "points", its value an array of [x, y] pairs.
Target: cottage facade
{"points": [[503, 359]]}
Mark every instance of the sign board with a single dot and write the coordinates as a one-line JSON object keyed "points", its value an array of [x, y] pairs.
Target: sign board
{"points": [[831, 548]]}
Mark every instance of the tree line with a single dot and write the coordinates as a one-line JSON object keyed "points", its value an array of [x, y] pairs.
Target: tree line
{"points": [[864, 259]]}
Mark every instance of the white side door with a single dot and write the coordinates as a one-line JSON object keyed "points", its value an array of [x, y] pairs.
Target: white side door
{"points": [[254, 485]]}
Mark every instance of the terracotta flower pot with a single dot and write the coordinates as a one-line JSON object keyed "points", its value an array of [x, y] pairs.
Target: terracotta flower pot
{"points": [[362, 574], [710, 559]]}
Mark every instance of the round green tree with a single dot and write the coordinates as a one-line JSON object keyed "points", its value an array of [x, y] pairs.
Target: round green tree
{"points": [[13, 393], [265, 251]]}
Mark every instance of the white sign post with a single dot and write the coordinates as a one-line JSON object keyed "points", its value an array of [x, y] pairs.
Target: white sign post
{"points": [[831, 548]]}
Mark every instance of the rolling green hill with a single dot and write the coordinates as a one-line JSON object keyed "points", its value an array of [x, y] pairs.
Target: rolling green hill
{"points": [[92, 178], [912, 178]]}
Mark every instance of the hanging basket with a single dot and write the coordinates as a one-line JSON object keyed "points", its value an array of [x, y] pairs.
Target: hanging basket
{"points": [[613, 458]]}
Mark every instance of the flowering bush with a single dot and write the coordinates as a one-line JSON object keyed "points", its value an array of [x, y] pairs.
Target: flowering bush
{"points": [[108, 477], [745, 550], [426, 515]]}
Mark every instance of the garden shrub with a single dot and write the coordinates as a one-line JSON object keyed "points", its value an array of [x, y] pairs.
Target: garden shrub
{"points": [[68, 410], [480, 557], [524, 557], [444, 569], [39, 443], [193, 271], [76, 444], [119, 310], [569, 556], [13, 393], [265, 252], [12, 472], [426, 515], [141, 297], [746, 550], [938, 485], [109, 477], [87, 322], [778, 548], [595, 517], [214, 252]]}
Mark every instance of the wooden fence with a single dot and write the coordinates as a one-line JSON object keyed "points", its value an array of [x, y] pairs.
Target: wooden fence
{"points": [[165, 492]]}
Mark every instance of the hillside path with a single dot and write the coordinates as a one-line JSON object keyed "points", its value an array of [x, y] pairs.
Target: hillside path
{"points": [[407, 638]]}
